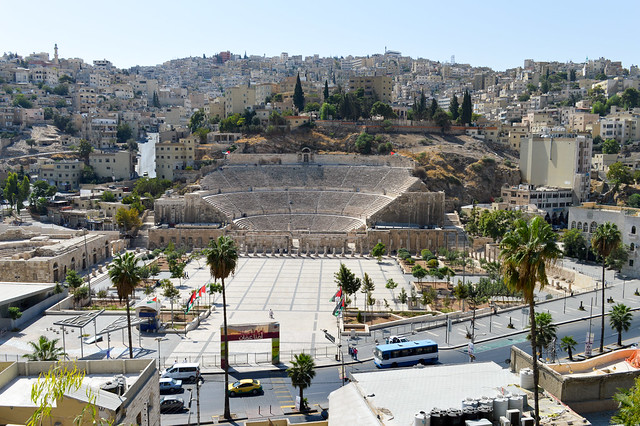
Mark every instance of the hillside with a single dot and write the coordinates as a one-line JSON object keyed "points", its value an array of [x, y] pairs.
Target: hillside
{"points": [[465, 168]]}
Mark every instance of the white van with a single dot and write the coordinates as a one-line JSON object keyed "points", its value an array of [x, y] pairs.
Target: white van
{"points": [[188, 372]]}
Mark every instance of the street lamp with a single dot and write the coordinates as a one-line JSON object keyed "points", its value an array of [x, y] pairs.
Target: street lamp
{"points": [[158, 339]]}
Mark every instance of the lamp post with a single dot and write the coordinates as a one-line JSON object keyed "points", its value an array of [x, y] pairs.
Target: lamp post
{"points": [[158, 339]]}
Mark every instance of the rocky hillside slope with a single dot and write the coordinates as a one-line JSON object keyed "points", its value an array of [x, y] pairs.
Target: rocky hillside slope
{"points": [[466, 169]]}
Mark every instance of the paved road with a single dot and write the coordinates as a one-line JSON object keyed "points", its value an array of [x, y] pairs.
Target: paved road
{"points": [[147, 158]]}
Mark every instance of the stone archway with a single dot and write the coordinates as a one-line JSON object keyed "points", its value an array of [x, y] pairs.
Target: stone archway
{"points": [[56, 277]]}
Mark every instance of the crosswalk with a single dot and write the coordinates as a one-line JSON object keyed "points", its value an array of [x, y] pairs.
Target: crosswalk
{"points": [[282, 393]]}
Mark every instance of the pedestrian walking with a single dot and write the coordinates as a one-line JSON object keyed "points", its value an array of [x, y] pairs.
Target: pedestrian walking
{"points": [[355, 353], [270, 314]]}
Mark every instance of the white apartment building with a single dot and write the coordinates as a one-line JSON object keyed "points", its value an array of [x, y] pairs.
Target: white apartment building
{"points": [[588, 216], [65, 174], [551, 200], [117, 165], [557, 159]]}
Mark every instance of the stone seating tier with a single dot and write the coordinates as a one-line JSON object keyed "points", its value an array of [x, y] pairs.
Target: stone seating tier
{"points": [[299, 222]]}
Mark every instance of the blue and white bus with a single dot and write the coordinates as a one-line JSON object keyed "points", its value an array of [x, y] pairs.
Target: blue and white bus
{"points": [[405, 353]]}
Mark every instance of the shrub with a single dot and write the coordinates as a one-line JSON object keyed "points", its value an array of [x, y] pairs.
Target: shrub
{"points": [[432, 263]]}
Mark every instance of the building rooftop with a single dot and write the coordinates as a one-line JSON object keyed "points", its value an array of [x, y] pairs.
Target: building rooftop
{"points": [[11, 292]]}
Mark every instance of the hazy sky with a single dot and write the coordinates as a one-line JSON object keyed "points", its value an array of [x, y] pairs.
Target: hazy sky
{"points": [[495, 33]]}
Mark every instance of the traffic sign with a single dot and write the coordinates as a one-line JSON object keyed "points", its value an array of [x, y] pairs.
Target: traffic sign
{"points": [[329, 337]]}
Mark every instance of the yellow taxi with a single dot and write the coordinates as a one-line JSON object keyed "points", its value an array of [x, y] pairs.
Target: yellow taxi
{"points": [[244, 386]]}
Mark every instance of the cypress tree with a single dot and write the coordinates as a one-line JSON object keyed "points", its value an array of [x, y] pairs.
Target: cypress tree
{"points": [[298, 95], [467, 108], [326, 90], [453, 107], [433, 108]]}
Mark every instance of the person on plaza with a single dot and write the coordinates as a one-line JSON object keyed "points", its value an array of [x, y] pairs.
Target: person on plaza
{"points": [[355, 353], [270, 313]]}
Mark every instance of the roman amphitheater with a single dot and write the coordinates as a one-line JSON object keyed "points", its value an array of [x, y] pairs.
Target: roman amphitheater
{"points": [[307, 203]]}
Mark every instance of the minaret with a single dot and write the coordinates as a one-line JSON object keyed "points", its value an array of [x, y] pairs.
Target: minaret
{"points": [[55, 54]]}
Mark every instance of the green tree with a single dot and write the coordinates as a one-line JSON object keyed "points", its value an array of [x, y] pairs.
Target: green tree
{"points": [[298, 95], [325, 93], [108, 197], [363, 143], [599, 108], [442, 120], [525, 252], [461, 292], [634, 200], [222, 259], [124, 132], [618, 257], [368, 287], [630, 98], [74, 281], [196, 121], [312, 106], [128, 219], [84, 149], [418, 272], [125, 276], [546, 331], [80, 293], [575, 245], [14, 312], [568, 344], [433, 108], [155, 100], [172, 293], [378, 251], [403, 297], [301, 373], [327, 111], [606, 238], [467, 109], [620, 319], [619, 173], [610, 146], [380, 108], [45, 350], [454, 107], [628, 405], [347, 280]]}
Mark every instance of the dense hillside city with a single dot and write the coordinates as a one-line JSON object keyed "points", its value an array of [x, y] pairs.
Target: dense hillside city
{"points": [[489, 207]]}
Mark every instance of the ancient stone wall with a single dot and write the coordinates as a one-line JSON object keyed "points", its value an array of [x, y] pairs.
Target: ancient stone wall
{"points": [[190, 208], [325, 159], [412, 208], [250, 242]]}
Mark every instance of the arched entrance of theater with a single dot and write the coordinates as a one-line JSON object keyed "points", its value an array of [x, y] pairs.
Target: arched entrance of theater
{"points": [[266, 330]]}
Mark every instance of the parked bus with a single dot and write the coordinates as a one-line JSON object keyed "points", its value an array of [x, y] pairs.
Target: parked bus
{"points": [[405, 353]]}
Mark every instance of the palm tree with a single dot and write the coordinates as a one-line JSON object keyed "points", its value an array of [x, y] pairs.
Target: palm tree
{"points": [[545, 331], [620, 320], [526, 251], [606, 238], [45, 350], [125, 276], [222, 258], [568, 344], [301, 372]]}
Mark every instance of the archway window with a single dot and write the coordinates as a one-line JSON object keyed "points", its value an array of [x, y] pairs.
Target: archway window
{"points": [[633, 229], [573, 224], [585, 227], [632, 247], [593, 227]]}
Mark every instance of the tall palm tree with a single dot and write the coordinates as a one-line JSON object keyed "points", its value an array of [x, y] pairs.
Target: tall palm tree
{"points": [[125, 276], [546, 331], [222, 258], [606, 238], [526, 251], [301, 372], [45, 350], [620, 319], [568, 343]]}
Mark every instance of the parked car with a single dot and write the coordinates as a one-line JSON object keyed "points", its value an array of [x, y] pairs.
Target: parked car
{"points": [[171, 404], [169, 385], [244, 386], [188, 372]]}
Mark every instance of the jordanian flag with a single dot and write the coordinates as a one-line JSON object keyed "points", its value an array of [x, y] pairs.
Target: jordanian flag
{"points": [[338, 295], [339, 307], [154, 300], [191, 302], [202, 291]]}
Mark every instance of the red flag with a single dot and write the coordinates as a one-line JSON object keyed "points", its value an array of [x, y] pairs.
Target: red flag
{"points": [[337, 295], [202, 291], [191, 301], [392, 153]]}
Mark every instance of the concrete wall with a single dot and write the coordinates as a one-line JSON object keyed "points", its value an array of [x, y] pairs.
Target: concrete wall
{"points": [[326, 159], [584, 394]]}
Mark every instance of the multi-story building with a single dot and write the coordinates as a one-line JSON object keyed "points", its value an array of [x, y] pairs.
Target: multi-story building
{"points": [[551, 200], [237, 99], [588, 216], [117, 165], [172, 156], [557, 159], [85, 99], [377, 86], [65, 174]]}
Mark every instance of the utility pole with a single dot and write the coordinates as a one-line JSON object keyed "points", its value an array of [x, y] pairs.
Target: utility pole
{"points": [[86, 256]]}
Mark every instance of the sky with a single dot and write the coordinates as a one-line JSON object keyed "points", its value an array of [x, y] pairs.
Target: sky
{"points": [[499, 34]]}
